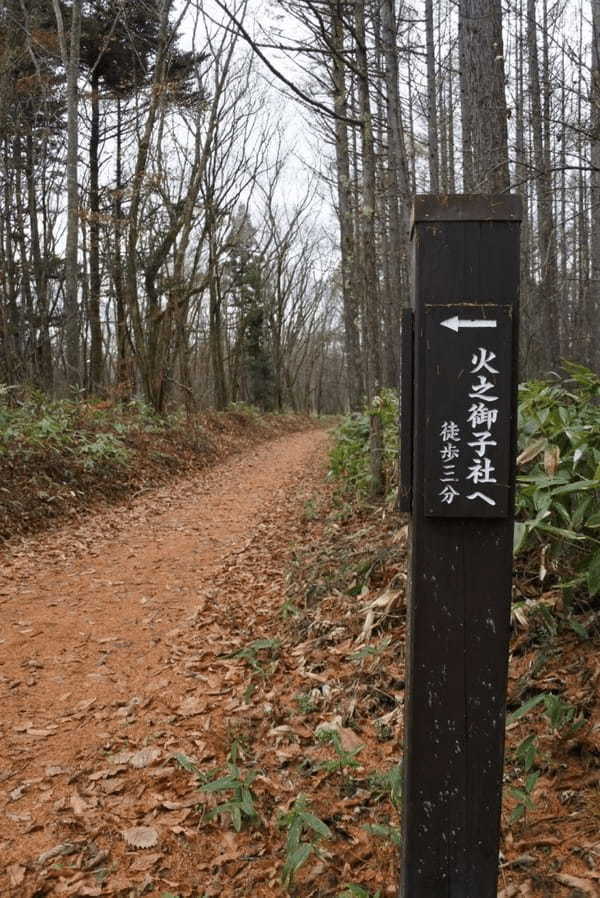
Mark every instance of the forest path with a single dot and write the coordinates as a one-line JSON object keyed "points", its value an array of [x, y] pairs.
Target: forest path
{"points": [[94, 619]]}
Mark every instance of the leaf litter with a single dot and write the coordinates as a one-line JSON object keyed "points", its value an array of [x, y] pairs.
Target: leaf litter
{"points": [[141, 836], [313, 708]]}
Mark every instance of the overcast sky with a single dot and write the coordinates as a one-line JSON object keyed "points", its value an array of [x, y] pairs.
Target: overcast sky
{"points": [[304, 149]]}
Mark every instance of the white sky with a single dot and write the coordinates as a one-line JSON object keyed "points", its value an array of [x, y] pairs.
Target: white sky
{"points": [[304, 151]]}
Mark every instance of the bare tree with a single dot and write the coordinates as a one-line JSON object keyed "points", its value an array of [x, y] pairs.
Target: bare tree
{"points": [[594, 301], [70, 57], [485, 136]]}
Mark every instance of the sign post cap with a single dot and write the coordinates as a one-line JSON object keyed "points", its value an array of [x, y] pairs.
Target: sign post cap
{"points": [[467, 207]]}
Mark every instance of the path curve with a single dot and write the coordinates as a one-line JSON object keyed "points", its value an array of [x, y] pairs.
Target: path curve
{"points": [[86, 609]]}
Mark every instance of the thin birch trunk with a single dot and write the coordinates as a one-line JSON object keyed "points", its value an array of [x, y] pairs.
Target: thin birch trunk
{"points": [[432, 117], [370, 281], [593, 305], [546, 325], [96, 361], [70, 59]]}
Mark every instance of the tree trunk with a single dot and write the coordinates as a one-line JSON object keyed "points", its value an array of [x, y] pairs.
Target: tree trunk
{"points": [[377, 487], [432, 121], [546, 325], [466, 99], [370, 281], [354, 362], [27, 310], [450, 119], [71, 63], [527, 325], [593, 316], [124, 351], [485, 137], [142, 342], [399, 192], [44, 346], [215, 333], [96, 362]]}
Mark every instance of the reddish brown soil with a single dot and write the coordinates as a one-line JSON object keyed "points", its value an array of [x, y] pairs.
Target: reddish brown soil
{"points": [[107, 628], [118, 670], [41, 485]]}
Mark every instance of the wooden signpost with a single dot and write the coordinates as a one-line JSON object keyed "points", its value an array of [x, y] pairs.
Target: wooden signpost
{"points": [[457, 469]]}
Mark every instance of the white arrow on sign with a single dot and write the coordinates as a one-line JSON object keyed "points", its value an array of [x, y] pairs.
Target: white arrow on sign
{"points": [[456, 323]]}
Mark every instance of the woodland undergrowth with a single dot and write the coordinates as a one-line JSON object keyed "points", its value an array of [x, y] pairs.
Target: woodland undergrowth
{"points": [[551, 813], [59, 457], [299, 779]]}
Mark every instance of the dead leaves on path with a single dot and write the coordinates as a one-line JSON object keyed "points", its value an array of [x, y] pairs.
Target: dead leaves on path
{"points": [[127, 814], [130, 816], [141, 836], [377, 611]]}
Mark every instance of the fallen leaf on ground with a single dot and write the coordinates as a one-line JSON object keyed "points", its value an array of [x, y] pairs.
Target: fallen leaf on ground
{"points": [[17, 793], [145, 757], [576, 882], [78, 804], [123, 757], [107, 773], [141, 836], [144, 862], [16, 874], [191, 706], [111, 787], [349, 740], [65, 848]]}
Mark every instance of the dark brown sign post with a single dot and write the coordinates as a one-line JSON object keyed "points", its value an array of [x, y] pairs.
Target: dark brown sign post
{"points": [[460, 462]]}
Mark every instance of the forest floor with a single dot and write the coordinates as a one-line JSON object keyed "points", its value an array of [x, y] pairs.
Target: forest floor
{"points": [[59, 460], [235, 638]]}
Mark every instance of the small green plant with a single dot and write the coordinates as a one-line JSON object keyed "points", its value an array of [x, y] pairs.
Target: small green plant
{"points": [[305, 702], [239, 804], [304, 832], [559, 487], [104, 447], [370, 651], [244, 408], [353, 890], [525, 756], [350, 459], [523, 796], [88, 431], [524, 709], [561, 715], [526, 753], [385, 831], [387, 784], [310, 512], [250, 653], [344, 760], [288, 609], [185, 763]]}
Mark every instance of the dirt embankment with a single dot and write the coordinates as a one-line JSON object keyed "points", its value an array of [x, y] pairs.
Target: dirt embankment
{"points": [[47, 483]]}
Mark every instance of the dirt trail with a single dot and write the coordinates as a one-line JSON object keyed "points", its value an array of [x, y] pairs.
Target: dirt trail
{"points": [[89, 617]]}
